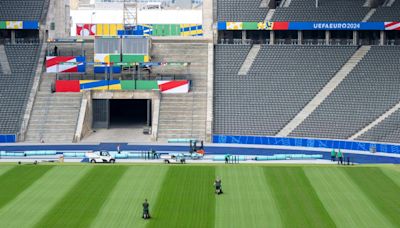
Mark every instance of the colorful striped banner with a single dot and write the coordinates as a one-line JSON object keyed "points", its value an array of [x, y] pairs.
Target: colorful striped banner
{"points": [[222, 25], [19, 25], [171, 87], [65, 64]]}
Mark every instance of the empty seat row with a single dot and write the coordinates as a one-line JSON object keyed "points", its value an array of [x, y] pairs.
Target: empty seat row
{"points": [[280, 82], [15, 87], [369, 91]]}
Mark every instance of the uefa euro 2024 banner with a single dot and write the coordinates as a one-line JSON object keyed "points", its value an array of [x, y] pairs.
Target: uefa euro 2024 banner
{"points": [[354, 26]]}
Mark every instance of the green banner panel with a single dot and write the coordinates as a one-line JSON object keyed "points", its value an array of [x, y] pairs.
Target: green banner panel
{"points": [[132, 58], [250, 26], [146, 85], [128, 84], [175, 30], [2, 25], [115, 58]]}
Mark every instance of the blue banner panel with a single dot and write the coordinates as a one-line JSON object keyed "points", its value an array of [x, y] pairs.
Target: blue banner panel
{"points": [[102, 69], [306, 142], [336, 26], [221, 25], [30, 25], [82, 65], [8, 138]]}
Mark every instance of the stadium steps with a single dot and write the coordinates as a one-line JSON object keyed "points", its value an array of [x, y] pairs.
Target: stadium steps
{"points": [[183, 115], [264, 3], [54, 115], [287, 3], [4, 64], [369, 15], [270, 14], [389, 3], [248, 62], [326, 91], [376, 122]]}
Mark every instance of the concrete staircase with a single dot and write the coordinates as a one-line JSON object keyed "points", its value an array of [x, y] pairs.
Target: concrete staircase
{"points": [[248, 62], [389, 3], [4, 64], [369, 15], [184, 115], [269, 16], [286, 3], [54, 115], [376, 122], [264, 3], [326, 91]]}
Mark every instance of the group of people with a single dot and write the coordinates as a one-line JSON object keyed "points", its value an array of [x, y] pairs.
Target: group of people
{"points": [[146, 205], [337, 156]]}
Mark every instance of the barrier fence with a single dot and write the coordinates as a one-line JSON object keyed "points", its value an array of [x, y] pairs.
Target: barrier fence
{"points": [[310, 143]]}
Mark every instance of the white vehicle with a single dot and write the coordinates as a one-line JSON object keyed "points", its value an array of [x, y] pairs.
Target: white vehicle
{"points": [[100, 157], [174, 159]]}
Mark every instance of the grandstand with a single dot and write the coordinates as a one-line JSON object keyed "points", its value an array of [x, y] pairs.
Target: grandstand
{"points": [[20, 51], [325, 10], [292, 68], [283, 88], [270, 95], [236, 10], [21, 10], [388, 12], [366, 93], [16, 85]]}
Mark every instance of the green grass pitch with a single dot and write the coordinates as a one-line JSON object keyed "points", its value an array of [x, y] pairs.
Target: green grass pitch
{"points": [[85, 195]]}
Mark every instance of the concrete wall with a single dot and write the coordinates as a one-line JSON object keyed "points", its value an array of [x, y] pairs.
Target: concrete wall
{"points": [[84, 125], [59, 14], [183, 4], [93, 94], [74, 4], [208, 16], [210, 92]]}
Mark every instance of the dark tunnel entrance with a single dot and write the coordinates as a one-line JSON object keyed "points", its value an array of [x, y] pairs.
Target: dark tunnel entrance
{"points": [[129, 113], [123, 113]]}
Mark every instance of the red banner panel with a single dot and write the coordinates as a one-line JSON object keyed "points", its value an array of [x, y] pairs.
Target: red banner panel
{"points": [[281, 26], [67, 86]]}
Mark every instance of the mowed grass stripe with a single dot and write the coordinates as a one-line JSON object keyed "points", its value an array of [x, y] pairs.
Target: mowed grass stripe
{"points": [[186, 198], [393, 173], [17, 179], [343, 199], [298, 204], [33, 203], [124, 205], [5, 168], [247, 200], [81, 204], [380, 189]]}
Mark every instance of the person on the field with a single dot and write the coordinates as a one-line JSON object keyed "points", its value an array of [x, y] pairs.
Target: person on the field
{"points": [[218, 186], [340, 157], [226, 159], [146, 212], [333, 155]]}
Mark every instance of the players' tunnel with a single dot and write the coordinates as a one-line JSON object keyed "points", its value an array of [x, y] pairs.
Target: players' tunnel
{"points": [[124, 113]]}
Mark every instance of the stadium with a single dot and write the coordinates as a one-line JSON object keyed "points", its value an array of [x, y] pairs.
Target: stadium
{"points": [[199, 113]]}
